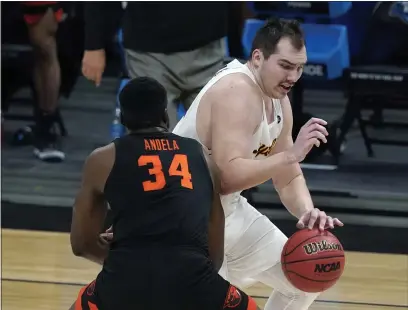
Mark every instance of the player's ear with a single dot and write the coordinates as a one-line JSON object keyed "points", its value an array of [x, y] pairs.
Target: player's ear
{"points": [[257, 58]]}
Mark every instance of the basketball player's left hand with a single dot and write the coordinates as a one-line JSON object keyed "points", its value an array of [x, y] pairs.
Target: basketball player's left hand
{"points": [[319, 218]]}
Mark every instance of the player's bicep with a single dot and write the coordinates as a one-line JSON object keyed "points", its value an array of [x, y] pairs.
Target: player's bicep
{"points": [[234, 119], [89, 209]]}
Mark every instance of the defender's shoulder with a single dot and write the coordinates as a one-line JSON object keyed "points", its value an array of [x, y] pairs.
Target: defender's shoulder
{"points": [[98, 166], [102, 153]]}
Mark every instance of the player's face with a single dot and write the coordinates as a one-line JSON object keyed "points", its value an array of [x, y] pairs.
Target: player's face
{"points": [[282, 70]]}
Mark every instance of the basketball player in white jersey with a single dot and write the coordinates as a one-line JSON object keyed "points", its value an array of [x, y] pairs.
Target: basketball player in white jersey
{"points": [[243, 118]]}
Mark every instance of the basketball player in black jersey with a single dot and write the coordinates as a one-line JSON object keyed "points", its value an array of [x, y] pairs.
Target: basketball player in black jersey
{"points": [[168, 221]]}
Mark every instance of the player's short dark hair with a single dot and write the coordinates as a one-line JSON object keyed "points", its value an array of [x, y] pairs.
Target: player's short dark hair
{"points": [[143, 103], [274, 29]]}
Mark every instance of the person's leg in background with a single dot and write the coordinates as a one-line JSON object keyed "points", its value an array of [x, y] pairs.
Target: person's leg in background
{"points": [[238, 13], [183, 74], [152, 65], [42, 29], [197, 67]]}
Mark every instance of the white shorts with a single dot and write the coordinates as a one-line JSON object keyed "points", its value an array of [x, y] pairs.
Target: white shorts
{"points": [[253, 244]]}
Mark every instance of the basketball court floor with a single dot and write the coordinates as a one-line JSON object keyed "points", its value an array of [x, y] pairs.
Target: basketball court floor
{"points": [[39, 272]]}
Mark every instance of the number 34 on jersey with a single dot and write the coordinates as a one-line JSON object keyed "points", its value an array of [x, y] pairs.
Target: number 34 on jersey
{"points": [[178, 167]]}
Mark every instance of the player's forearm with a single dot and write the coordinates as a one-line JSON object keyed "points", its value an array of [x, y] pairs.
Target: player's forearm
{"points": [[244, 173], [295, 196], [95, 252], [216, 249]]}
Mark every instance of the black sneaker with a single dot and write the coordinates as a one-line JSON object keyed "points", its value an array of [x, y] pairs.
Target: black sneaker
{"points": [[47, 149], [46, 143]]}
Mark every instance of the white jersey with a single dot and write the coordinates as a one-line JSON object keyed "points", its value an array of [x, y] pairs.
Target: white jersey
{"points": [[263, 140]]}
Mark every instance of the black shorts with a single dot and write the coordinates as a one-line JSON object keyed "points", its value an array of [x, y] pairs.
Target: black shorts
{"points": [[219, 296]]}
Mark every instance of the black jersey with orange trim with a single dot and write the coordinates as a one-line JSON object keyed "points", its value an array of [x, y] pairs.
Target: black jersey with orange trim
{"points": [[160, 193]]}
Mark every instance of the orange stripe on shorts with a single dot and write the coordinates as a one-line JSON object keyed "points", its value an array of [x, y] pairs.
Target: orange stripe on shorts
{"points": [[78, 305], [92, 306], [251, 303]]}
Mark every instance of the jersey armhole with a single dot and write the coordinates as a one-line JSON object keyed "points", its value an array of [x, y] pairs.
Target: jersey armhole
{"points": [[115, 144]]}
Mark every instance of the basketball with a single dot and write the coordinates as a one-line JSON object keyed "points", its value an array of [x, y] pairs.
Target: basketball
{"points": [[313, 260]]}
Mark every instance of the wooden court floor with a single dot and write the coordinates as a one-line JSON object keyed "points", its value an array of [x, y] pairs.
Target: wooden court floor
{"points": [[39, 272]]}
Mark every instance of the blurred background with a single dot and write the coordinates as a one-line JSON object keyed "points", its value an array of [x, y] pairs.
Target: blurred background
{"points": [[356, 79], [52, 117]]}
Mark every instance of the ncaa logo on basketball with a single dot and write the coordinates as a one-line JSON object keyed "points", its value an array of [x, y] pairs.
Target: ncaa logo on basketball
{"points": [[322, 246], [327, 267]]}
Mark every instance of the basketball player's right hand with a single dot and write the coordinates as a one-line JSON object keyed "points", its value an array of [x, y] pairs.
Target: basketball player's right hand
{"points": [[107, 236], [311, 134], [93, 65]]}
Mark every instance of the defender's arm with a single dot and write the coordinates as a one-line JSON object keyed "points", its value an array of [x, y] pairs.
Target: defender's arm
{"points": [[217, 218], [90, 208]]}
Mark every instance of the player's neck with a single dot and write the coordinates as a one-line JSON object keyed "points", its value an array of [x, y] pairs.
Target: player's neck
{"points": [[255, 75], [157, 129]]}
